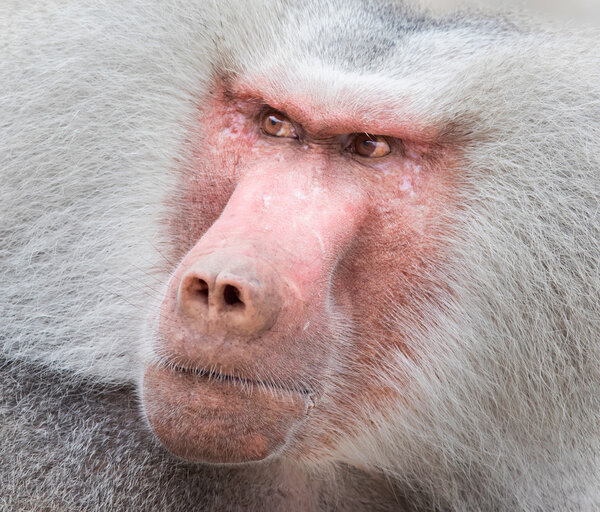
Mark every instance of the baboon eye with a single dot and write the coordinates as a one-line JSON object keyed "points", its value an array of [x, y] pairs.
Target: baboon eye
{"points": [[277, 125], [370, 146]]}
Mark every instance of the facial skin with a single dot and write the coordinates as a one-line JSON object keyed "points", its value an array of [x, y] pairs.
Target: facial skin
{"points": [[302, 227]]}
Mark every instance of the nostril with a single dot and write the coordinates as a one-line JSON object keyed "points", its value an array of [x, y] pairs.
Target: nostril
{"points": [[221, 294], [199, 287], [231, 296]]}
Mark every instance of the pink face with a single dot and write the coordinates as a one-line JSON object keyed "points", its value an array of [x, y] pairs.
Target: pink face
{"points": [[297, 232]]}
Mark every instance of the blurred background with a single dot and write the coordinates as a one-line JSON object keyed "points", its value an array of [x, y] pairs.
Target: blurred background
{"points": [[583, 11]]}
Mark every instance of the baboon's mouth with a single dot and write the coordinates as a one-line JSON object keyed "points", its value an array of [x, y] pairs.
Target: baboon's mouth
{"points": [[245, 383], [201, 414]]}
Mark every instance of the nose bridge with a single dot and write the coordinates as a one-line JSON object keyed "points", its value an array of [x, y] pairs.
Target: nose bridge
{"points": [[297, 215]]}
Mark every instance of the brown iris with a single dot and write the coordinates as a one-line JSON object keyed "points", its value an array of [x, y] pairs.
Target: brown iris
{"points": [[370, 146], [277, 125]]}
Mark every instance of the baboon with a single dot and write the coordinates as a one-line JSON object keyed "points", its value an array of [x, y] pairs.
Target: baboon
{"points": [[316, 255]]}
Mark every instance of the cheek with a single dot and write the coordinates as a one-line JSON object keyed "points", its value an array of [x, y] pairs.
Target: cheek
{"points": [[384, 284], [395, 266], [402, 236]]}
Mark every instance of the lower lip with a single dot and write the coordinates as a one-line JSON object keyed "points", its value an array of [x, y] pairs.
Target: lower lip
{"points": [[220, 420]]}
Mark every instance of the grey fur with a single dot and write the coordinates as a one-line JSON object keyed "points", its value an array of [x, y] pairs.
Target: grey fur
{"points": [[95, 100]]}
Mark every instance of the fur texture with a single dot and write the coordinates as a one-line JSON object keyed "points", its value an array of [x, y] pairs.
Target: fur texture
{"points": [[503, 377]]}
